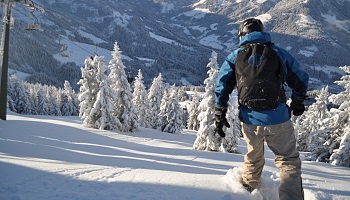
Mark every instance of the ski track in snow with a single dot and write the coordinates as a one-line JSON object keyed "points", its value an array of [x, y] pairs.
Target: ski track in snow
{"points": [[45, 157]]}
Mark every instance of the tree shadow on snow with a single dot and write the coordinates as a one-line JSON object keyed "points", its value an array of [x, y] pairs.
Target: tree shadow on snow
{"points": [[69, 144], [29, 183]]}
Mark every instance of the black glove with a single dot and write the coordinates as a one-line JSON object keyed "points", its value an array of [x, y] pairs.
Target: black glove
{"points": [[297, 106], [220, 120]]}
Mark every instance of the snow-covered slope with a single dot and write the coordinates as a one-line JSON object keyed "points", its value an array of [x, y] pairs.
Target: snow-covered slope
{"points": [[176, 37], [45, 157]]}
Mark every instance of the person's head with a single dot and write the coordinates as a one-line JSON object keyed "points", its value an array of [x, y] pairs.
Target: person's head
{"points": [[248, 26]]}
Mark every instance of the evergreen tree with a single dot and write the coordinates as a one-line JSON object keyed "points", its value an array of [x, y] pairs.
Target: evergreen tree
{"points": [[123, 109], [173, 113], [231, 142], [17, 91], [88, 90], [342, 120], [58, 97], [54, 108], [67, 107], [207, 139], [155, 95], [42, 107], [341, 156], [10, 104], [101, 113], [182, 94], [234, 115], [141, 102], [164, 107], [69, 101], [193, 122], [313, 127], [185, 114], [318, 127], [31, 88]]}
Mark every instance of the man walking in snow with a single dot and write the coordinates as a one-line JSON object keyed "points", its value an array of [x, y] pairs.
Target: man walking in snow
{"points": [[259, 69]]}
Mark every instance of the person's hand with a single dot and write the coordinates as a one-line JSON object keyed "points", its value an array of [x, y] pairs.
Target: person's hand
{"points": [[297, 106], [220, 120]]}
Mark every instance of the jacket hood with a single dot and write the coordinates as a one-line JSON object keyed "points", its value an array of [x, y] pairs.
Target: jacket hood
{"points": [[255, 37]]}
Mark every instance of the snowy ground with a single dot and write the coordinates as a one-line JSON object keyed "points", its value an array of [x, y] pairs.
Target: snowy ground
{"points": [[56, 158]]}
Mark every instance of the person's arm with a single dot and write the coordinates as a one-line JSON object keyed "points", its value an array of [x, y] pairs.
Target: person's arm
{"points": [[296, 78], [226, 81]]}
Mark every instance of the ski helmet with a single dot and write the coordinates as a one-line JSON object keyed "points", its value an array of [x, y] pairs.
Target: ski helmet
{"points": [[248, 26]]}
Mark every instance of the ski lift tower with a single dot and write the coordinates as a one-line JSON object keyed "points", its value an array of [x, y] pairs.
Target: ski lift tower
{"points": [[4, 48]]}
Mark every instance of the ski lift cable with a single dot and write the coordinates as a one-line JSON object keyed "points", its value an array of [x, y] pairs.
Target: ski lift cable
{"points": [[36, 20], [14, 8], [54, 11], [36, 25]]}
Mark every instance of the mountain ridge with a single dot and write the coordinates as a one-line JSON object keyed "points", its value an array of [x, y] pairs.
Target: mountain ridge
{"points": [[176, 38]]}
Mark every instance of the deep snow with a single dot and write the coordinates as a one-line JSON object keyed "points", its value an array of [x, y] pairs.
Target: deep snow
{"points": [[46, 157]]}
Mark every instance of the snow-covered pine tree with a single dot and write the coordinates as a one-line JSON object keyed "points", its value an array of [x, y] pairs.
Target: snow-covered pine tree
{"points": [[54, 108], [155, 94], [88, 90], [173, 113], [141, 102], [193, 122], [41, 106], [185, 114], [67, 105], [101, 114], [234, 115], [31, 88], [207, 139], [10, 104], [182, 94], [123, 109], [312, 128], [164, 108], [341, 155], [58, 97], [231, 142], [316, 128], [19, 93]]}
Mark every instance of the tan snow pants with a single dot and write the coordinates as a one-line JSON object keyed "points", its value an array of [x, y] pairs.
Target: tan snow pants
{"points": [[280, 139]]}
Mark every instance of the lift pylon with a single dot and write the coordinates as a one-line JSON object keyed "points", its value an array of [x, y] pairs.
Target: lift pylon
{"points": [[4, 48]]}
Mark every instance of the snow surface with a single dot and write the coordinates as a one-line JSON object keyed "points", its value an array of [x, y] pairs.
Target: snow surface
{"points": [[211, 41], [47, 157], [162, 39], [305, 21], [19, 75], [77, 52], [166, 7], [197, 13], [264, 18], [306, 53], [199, 3], [260, 1], [341, 24], [166, 40]]}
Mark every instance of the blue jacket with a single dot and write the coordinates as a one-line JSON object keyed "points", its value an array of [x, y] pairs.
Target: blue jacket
{"points": [[295, 78]]}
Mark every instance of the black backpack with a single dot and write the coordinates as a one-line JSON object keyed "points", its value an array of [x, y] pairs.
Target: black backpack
{"points": [[259, 77]]}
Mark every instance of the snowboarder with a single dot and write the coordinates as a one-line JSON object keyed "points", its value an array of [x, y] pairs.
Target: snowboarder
{"points": [[263, 115]]}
